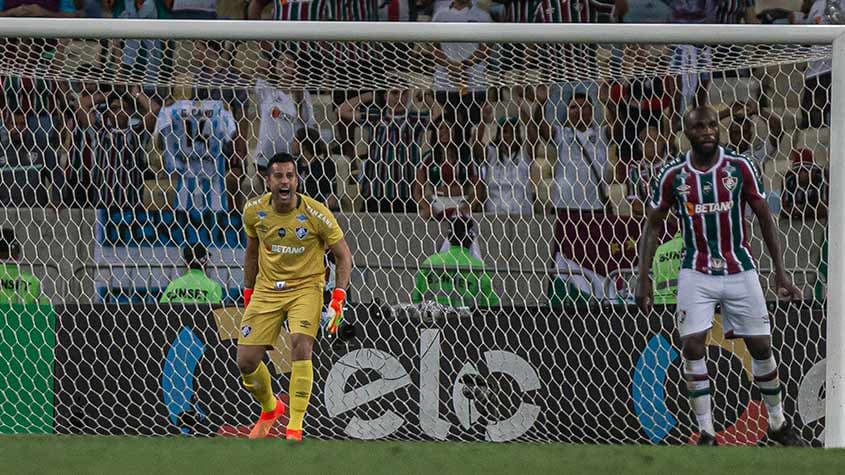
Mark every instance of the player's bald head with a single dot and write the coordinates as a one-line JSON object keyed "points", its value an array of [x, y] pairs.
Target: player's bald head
{"points": [[698, 114]]}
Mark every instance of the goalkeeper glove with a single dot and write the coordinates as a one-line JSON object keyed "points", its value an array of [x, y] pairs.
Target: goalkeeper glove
{"points": [[247, 297], [335, 312]]}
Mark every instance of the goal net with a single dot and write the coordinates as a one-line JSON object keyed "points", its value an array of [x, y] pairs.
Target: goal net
{"points": [[492, 195]]}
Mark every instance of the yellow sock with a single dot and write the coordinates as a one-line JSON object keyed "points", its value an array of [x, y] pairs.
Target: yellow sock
{"points": [[301, 378], [258, 383]]}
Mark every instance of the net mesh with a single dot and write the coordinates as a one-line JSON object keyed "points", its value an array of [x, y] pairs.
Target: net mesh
{"points": [[120, 155]]}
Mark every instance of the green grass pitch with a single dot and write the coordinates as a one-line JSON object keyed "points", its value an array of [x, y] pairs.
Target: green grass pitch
{"points": [[158, 456]]}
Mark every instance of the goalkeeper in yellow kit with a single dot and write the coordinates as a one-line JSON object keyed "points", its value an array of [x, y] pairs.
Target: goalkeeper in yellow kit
{"points": [[284, 274]]}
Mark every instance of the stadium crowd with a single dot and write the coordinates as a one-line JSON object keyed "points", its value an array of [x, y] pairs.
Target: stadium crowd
{"points": [[448, 151], [456, 148]]}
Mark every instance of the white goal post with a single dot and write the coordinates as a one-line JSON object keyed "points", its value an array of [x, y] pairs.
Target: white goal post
{"points": [[834, 432]]}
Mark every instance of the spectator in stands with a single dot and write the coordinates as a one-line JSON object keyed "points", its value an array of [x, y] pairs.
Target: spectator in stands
{"points": [[140, 60], [216, 66], [38, 8], [398, 10], [120, 158], [283, 112], [319, 60], [313, 10], [447, 184], [805, 188], [651, 152], [394, 135], [195, 286], [198, 139], [317, 172], [506, 170], [732, 12], [691, 86], [29, 169], [190, 9], [634, 105], [582, 165], [455, 277], [743, 136], [17, 287], [784, 12], [459, 76], [562, 11], [87, 102], [815, 99], [642, 11], [40, 100]]}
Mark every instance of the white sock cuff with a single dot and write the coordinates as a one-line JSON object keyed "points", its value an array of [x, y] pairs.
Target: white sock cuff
{"points": [[695, 366], [763, 367]]}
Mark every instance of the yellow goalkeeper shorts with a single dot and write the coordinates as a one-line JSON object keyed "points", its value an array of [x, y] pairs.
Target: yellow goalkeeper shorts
{"points": [[262, 320]]}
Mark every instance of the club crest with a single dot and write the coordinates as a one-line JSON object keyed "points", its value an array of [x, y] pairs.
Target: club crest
{"points": [[729, 182]]}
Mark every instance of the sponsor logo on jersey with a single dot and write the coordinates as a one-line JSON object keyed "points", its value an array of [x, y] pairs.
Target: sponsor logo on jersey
{"points": [[280, 285], [286, 249], [730, 182], [708, 188], [301, 233], [709, 208], [683, 189], [262, 214], [301, 218], [320, 216], [252, 203], [246, 330], [717, 264], [282, 232]]}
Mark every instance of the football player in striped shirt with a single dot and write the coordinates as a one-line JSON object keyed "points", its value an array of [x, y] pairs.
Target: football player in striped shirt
{"points": [[709, 189]]}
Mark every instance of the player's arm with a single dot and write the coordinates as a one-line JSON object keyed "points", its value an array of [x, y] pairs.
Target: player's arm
{"points": [[250, 267], [647, 247], [343, 270], [770, 237]]}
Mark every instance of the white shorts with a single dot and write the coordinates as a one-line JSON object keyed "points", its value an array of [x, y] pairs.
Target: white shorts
{"points": [[744, 311]]}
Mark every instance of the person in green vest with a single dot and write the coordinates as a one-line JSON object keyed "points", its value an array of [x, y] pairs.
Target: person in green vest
{"points": [[454, 277], [195, 286], [665, 269], [17, 287]]}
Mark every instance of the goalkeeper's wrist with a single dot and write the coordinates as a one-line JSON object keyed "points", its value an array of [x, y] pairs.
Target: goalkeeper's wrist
{"points": [[339, 294]]}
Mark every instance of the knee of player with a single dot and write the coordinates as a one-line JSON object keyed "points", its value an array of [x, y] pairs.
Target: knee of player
{"points": [[301, 347], [248, 363], [694, 348], [760, 347]]}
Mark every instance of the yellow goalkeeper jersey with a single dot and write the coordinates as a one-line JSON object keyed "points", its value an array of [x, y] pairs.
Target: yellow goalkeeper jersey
{"points": [[291, 245]]}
